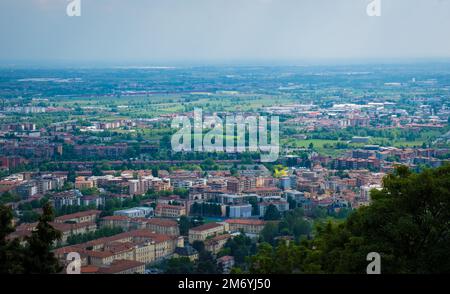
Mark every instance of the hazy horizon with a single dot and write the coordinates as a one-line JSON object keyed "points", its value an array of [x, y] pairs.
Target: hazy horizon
{"points": [[170, 32]]}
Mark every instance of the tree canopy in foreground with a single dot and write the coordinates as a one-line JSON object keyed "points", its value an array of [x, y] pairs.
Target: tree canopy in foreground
{"points": [[407, 223]]}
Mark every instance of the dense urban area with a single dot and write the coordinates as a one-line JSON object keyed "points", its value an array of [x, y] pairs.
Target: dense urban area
{"points": [[87, 166]]}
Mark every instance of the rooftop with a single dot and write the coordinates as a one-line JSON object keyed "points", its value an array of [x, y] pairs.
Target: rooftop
{"points": [[206, 227]]}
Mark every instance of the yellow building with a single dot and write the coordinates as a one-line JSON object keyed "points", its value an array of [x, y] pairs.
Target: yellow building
{"points": [[201, 233], [248, 226], [215, 244], [81, 183]]}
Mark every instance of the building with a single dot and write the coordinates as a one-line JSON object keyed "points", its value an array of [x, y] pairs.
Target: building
{"points": [[11, 162], [157, 225], [123, 267], [282, 206], [82, 183], [96, 151], [285, 183], [67, 229], [240, 211], [27, 189], [364, 140], [71, 229], [248, 226], [135, 212], [138, 245], [79, 217], [264, 191], [67, 198], [163, 226], [226, 263], [215, 244], [365, 191], [186, 251], [170, 211], [117, 221], [201, 233]]}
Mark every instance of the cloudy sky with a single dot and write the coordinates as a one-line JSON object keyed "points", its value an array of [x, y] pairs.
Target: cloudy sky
{"points": [[158, 31]]}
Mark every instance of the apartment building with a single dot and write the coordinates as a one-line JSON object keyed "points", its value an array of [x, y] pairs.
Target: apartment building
{"points": [[170, 211], [79, 217], [201, 233], [215, 244], [248, 226]]}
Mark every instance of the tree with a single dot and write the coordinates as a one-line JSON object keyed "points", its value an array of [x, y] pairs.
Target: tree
{"points": [[199, 246], [33, 257], [408, 224], [183, 193], [272, 213], [269, 232], [38, 258], [184, 225], [29, 216], [240, 247], [11, 253], [8, 197], [96, 171], [71, 176], [206, 263], [181, 265]]}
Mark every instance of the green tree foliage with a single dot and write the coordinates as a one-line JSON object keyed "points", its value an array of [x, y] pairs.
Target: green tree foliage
{"points": [[408, 224], [68, 209], [206, 263], [90, 191], [240, 248], [11, 253], [100, 233], [184, 225], [183, 193], [8, 197], [35, 257], [29, 216], [178, 266], [206, 209], [38, 257], [269, 232], [272, 213], [198, 245]]}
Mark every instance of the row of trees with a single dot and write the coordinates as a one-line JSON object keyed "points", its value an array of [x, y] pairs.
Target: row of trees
{"points": [[206, 209]]}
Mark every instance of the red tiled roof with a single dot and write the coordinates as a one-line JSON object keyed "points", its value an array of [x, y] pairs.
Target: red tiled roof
{"points": [[225, 258], [264, 189], [116, 218], [90, 269], [77, 215], [162, 206], [255, 222], [160, 222], [69, 227], [206, 227], [119, 266], [218, 238]]}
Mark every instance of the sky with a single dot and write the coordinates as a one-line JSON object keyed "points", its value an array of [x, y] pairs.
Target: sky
{"points": [[164, 31]]}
